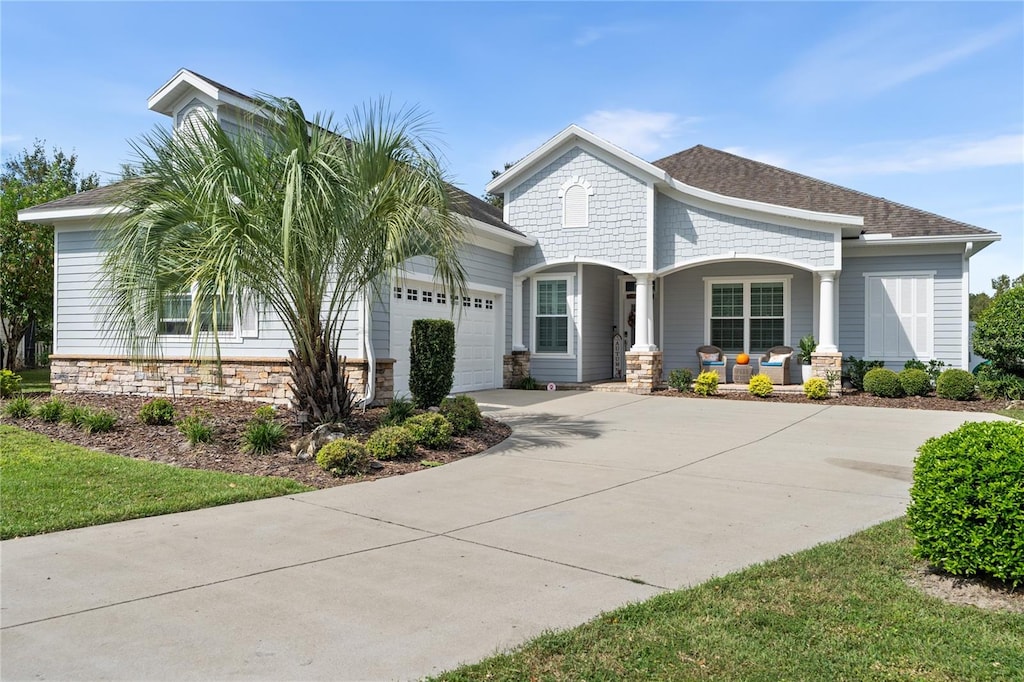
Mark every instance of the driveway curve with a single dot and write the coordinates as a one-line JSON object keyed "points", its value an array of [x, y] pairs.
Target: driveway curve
{"points": [[595, 501]]}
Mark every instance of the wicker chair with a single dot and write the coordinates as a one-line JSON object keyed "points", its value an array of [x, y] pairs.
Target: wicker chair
{"points": [[712, 359], [776, 369]]}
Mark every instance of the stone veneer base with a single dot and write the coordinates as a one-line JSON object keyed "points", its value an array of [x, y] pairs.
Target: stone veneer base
{"points": [[252, 379], [515, 368], [643, 371]]}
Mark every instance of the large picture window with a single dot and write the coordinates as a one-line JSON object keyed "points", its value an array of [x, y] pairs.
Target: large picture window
{"points": [[747, 316], [551, 320], [898, 322]]}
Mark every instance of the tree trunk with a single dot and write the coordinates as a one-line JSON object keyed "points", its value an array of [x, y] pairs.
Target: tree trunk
{"points": [[14, 333], [319, 386]]}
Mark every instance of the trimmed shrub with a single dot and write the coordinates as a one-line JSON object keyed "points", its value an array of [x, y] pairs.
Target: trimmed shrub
{"points": [[52, 410], [706, 383], [100, 421], [528, 383], [883, 383], [855, 369], [157, 412], [915, 381], [390, 442], [914, 363], [761, 386], [816, 388], [398, 410], [343, 457], [680, 379], [967, 501], [999, 333], [997, 383], [76, 415], [18, 408], [956, 384], [10, 383], [431, 361], [463, 413], [430, 430], [196, 427], [262, 436]]}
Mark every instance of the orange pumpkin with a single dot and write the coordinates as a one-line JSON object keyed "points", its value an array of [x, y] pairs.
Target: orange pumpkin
{"points": [[742, 359]]}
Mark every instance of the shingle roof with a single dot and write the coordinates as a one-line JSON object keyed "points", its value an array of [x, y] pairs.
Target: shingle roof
{"points": [[735, 176], [93, 198]]}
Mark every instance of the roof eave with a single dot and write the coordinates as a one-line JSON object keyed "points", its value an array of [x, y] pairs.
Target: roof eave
{"points": [[48, 216]]}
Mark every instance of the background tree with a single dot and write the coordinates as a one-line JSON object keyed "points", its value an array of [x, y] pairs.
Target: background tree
{"points": [[978, 303], [26, 250], [303, 217], [498, 199]]}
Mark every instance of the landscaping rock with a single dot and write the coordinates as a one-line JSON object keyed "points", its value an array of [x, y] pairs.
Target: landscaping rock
{"points": [[305, 448]]}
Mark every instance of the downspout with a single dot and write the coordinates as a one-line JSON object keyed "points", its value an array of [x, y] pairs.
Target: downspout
{"points": [[965, 302], [371, 362]]}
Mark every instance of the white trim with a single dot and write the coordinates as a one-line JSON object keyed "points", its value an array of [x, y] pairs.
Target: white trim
{"points": [[734, 256], [661, 312], [746, 281], [56, 301], [650, 226], [965, 308], [498, 233], [528, 272], [816, 305], [403, 277], [932, 239], [577, 181], [233, 336], [47, 215], [579, 323], [171, 93], [517, 314], [570, 304], [927, 353]]}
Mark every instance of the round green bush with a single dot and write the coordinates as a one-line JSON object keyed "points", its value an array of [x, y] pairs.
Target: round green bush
{"points": [[430, 430], [680, 379], [883, 383], [956, 384], [915, 382], [706, 383], [816, 388], [761, 386], [967, 501], [463, 412], [999, 333], [389, 442], [157, 412], [343, 457]]}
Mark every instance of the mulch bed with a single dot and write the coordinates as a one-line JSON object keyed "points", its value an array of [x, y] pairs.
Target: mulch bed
{"points": [[166, 444], [857, 398]]}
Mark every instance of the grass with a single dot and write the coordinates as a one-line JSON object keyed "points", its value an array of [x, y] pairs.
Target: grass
{"points": [[35, 380], [1015, 414], [47, 486], [840, 611]]}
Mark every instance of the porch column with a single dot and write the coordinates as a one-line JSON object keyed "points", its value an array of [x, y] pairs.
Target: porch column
{"points": [[644, 315], [517, 314], [827, 316]]}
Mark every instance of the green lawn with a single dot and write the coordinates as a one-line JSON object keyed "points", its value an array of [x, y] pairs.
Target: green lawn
{"points": [[840, 611], [1016, 414], [48, 485], [35, 380]]}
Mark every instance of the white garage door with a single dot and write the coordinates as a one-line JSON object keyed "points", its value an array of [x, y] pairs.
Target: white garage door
{"points": [[476, 334]]}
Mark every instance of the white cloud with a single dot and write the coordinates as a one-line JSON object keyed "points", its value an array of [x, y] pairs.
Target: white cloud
{"points": [[644, 133], [878, 55], [592, 34], [923, 156], [10, 139]]}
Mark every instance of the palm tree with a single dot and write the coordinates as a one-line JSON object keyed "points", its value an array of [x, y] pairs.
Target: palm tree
{"points": [[301, 216]]}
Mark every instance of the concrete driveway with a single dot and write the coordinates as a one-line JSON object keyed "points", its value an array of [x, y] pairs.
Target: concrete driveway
{"points": [[597, 500]]}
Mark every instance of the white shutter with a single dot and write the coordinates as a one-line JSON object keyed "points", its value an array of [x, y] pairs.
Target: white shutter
{"points": [[898, 316], [249, 325], [876, 304], [576, 206]]}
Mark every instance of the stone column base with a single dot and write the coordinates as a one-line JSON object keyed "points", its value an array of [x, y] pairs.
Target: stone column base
{"points": [[515, 368], [822, 364], [643, 371]]}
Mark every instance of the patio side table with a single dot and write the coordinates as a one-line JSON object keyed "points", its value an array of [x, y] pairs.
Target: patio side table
{"points": [[741, 373]]}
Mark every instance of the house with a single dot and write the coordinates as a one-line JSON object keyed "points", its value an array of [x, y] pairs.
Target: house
{"points": [[593, 243]]}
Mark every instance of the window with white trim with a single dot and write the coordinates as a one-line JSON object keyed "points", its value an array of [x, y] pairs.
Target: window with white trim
{"points": [[898, 315], [175, 309], [551, 315], [747, 315]]}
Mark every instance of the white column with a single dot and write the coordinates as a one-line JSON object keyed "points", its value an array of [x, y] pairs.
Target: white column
{"points": [[826, 316], [644, 315], [517, 314]]}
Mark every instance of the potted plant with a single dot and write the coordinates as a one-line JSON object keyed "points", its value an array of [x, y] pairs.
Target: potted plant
{"points": [[807, 346]]}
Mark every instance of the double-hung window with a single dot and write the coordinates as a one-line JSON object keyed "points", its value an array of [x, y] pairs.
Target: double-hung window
{"points": [[747, 315], [552, 315], [174, 315]]}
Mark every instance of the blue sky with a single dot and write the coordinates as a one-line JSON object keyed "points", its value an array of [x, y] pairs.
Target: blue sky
{"points": [[922, 103]]}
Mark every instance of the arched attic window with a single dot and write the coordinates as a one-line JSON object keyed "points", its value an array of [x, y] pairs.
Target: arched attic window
{"points": [[575, 195], [192, 116]]}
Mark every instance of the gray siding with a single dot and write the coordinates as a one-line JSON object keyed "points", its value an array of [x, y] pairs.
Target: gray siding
{"points": [[598, 306], [948, 312], [79, 311], [558, 369], [684, 232], [483, 266], [684, 309], [618, 214]]}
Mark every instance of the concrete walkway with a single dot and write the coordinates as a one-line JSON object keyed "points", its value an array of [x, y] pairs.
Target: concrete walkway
{"points": [[597, 500]]}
